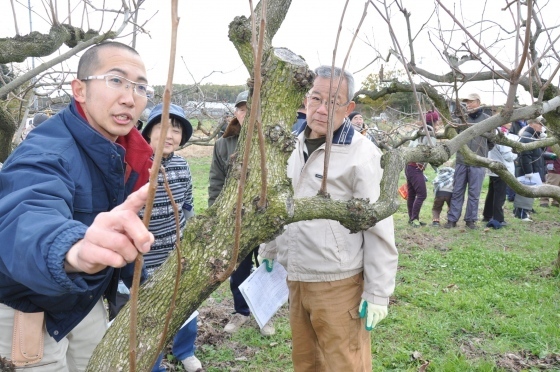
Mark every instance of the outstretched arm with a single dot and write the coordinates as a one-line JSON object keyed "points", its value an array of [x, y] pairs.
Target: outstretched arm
{"points": [[114, 239]]}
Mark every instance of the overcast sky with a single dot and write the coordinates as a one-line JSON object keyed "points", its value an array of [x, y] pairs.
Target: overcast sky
{"points": [[309, 30]]}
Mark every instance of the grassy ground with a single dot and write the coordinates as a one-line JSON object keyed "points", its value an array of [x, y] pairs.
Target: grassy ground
{"points": [[465, 300]]}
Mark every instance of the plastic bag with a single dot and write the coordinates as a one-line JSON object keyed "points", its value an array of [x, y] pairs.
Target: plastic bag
{"points": [[403, 191]]}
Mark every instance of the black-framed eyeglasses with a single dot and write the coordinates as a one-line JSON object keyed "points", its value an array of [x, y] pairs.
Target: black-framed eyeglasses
{"points": [[121, 83], [316, 102]]}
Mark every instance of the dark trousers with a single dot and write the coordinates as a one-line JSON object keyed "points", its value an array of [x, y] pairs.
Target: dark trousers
{"points": [[441, 198], [495, 199], [416, 191], [510, 193], [237, 277]]}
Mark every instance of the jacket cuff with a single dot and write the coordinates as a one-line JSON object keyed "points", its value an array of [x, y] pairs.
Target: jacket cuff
{"points": [[268, 250], [377, 300], [57, 253]]}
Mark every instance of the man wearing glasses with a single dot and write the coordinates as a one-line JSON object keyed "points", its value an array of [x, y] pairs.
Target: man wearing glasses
{"points": [[334, 277], [69, 197]]}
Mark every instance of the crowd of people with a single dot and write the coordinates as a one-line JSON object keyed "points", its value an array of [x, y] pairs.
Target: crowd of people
{"points": [[71, 228], [531, 167]]}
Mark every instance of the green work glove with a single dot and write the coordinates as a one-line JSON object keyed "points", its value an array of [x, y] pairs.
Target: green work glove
{"points": [[373, 313], [269, 264]]}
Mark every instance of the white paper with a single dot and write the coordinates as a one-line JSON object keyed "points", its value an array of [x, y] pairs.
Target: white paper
{"points": [[535, 178], [265, 292]]}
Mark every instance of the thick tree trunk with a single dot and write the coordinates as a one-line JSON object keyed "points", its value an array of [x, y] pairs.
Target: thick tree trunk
{"points": [[7, 129]]}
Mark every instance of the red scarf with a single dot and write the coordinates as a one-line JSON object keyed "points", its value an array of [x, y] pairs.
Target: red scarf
{"points": [[137, 154]]}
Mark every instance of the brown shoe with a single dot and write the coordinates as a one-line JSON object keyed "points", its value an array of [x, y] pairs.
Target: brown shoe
{"points": [[236, 321], [471, 225], [450, 224]]}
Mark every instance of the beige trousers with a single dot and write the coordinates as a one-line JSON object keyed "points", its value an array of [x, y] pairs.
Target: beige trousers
{"points": [[551, 179], [327, 332], [70, 354]]}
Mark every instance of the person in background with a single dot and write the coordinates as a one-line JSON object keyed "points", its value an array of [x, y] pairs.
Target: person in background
{"points": [[334, 276], [38, 118], [300, 117], [357, 121], [552, 175], [496, 195], [162, 221], [443, 189], [224, 148], [415, 178], [516, 126], [468, 178], [531, 166], [360, 126], [69, 198]]}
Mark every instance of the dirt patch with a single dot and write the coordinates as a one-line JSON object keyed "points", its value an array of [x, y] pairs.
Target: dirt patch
{"points": [[521, 361], [525, 360], [196, 151], [213, 316]]}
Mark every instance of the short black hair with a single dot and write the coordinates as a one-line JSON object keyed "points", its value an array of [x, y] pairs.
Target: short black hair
{"points": [[90, 59]]}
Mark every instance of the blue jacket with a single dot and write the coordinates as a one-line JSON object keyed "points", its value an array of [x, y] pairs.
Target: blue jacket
{"points": [[51, 189]]}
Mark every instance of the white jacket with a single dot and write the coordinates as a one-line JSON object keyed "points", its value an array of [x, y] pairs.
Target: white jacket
{"points": [[323, 250], [504, 155]]}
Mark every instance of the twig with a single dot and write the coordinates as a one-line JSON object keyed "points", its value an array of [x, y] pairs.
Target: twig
{"points": [[328, 145], [178, 274], [257, 51], [478, 44], [330, 110], [405, 65], [153, 184], [15, 18], [255, 102]]}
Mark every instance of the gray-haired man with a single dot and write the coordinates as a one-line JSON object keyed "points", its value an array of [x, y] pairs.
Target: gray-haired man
{"points": [[335, 277], [468, 175]]}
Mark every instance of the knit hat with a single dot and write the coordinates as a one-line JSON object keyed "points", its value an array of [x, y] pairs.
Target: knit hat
{"points": [[242, 97], [175, 112], [431, 117], [39, 118], [352, 114]]}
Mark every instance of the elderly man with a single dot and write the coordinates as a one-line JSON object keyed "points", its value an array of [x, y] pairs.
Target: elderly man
{"points": [[334, 277], [65, 226], [468, 177]]}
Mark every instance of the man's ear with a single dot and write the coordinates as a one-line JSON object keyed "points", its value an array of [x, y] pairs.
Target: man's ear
{"points": [[351, 106], [79, 90]]}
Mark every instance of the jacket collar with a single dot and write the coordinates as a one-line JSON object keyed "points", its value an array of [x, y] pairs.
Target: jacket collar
{"points": [[475, 114], [134, 150], [342, 136]]}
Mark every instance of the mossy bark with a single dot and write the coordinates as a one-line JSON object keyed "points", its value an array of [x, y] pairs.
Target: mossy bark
{"points": [[7, 129], [36, 44]]}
